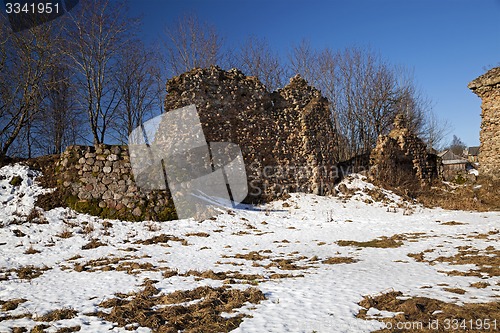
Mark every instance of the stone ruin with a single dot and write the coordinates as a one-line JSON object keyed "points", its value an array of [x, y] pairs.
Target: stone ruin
{"points": [[487, 87], [401, 159], [286, 138]]}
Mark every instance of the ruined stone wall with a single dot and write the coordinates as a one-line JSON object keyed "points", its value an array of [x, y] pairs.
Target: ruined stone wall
{"points": [[286, 137], [487, 87], [401, 159], [98, 180]]}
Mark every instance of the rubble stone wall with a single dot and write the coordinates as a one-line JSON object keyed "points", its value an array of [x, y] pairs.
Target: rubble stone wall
{"points": [[487, 87], [286, 137], [401, 158]]}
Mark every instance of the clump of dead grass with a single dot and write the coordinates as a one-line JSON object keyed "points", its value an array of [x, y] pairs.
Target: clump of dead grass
{"points": [[382, 242], [147, 309], [426, 310], [339, 260], [11, 304], [29, 272], [59, 314], [94, 243], [162, 239]]}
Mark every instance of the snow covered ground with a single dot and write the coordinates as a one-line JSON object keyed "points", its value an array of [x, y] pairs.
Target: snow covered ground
{"points": [[293, 237]]}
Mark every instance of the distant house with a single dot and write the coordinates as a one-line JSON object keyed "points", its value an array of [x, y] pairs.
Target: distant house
{"points": [[453, 165], [472, 154]]}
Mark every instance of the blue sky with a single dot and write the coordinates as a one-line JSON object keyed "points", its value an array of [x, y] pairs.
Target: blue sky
{"points": [[446, 43]]}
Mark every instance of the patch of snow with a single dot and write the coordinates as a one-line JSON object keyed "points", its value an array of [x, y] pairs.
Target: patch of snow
{"points": [[325, 299]]}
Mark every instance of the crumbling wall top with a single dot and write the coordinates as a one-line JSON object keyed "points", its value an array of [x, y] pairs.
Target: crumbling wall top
{"points": [[484, 82]]}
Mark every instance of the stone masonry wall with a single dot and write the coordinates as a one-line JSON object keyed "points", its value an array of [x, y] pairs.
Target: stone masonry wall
{"points": [[401, 158], [487, 87], [286, 137], [98, 180]]}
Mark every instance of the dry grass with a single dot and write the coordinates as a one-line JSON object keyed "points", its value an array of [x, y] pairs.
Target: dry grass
{"points": [[94, 243], [203, 314], [11, 304], [382, 242], [339, 260], [253, 256], [465, 197], [453, 223], [487, 261], [480, 285], [426, 310], [69, 329], [459, 291], [162, 239], [123, 264], [198, 234], [31, 250], [65, 233], [29, 272], [56, 315]]}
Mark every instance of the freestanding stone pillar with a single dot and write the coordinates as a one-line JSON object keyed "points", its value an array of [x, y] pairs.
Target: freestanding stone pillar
{"points": [[487, 87]]}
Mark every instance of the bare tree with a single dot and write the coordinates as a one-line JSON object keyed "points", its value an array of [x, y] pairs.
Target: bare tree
{"points": [[60, 122], [303, 60], [139, 87], [435, 131], [190, 44], [98, 33], [27, 58], [457, 146], [255, 58], [364, 91]]}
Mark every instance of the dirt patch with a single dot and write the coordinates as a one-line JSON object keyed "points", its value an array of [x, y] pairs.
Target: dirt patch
{"points": [[382, 242], [197, 310]]}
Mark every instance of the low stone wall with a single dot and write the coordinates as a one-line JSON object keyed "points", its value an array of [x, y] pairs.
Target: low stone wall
{"points": [[98, 180]]}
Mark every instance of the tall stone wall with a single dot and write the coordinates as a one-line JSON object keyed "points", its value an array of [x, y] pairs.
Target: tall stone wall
{"points": [[487, 87], [286, 136]]}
